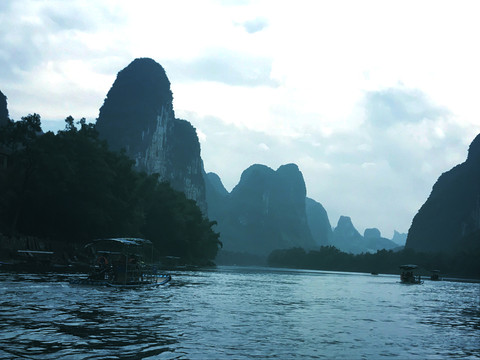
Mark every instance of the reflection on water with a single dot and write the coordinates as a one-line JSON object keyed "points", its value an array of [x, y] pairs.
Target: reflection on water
{"points": [[240, 314]]}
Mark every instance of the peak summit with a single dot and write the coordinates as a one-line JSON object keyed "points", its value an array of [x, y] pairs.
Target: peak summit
{"points": [[474, 149], [344, 222], [138, 95], [143, 79]]}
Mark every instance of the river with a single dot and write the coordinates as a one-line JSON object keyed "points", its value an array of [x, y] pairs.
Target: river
{"points": [[240, 313]]}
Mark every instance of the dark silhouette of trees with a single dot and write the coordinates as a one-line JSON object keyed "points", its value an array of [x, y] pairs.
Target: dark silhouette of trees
{"points": [[383, 261], [69, 187]]}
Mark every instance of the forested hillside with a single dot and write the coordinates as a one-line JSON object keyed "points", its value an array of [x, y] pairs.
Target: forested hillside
{"points": [[69, 187]]}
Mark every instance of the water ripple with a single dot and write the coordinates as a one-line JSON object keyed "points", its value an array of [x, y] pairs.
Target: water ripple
{"points": [[240, 314]]}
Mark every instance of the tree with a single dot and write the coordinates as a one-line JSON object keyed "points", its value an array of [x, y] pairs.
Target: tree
{"points": [[177, 227], [19, 137], [69, 187]]}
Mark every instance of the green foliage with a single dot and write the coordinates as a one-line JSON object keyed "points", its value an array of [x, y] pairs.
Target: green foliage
{"points": [[70, 187], [20, 134], [383, 261], [178, 227], [3, 109]]}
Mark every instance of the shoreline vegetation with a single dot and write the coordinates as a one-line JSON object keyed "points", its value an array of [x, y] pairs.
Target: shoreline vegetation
{"points": [[55, 256], [60, 191], [463, 265]]}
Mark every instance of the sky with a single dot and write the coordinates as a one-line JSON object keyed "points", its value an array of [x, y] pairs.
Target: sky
{"points": [[373, 100]]}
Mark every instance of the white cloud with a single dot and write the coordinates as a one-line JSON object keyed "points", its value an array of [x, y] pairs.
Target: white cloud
{"points": [[255, 25], [263, 147], [223, 66]]}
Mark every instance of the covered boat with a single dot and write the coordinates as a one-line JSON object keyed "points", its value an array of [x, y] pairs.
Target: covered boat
{"points": [[435, 276], [120, 262], [407, 276]]}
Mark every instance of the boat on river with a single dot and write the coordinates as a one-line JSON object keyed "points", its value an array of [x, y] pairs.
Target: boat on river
{"points": [[120, 262], [435, 276], [408, 277]]}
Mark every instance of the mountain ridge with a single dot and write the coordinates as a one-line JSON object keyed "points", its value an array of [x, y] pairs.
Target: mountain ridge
{"points": [[264, 211]]}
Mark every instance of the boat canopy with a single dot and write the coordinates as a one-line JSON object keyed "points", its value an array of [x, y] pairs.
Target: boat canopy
{"points": [[122, 245], [127, 241], [408, 267]]}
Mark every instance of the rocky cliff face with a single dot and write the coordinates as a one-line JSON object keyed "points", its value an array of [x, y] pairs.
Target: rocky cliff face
{"points": [[138, 116], [318, 222], [264, 212], [450, 218], [3, 110]]}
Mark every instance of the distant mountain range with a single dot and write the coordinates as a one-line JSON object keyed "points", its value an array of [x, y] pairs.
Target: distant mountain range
{"points": [[268, 209], [399, 238], [346, 238], [264, 212], [449, 221]]}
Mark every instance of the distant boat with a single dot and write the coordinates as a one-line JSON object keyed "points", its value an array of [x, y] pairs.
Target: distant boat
{"points": [[119, 262], [435, 275], [408, 277], [374, 273]]}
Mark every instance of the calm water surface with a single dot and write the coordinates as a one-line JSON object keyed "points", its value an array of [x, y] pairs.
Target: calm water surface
{"points": [[240, 313]]}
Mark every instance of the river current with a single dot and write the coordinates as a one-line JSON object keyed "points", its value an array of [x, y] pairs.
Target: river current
{"points": [[240, 313]]}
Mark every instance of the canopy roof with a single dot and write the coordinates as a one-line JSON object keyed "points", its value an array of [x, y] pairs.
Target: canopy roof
{"points": [[119, 244], [126, 241], [408, 267]]}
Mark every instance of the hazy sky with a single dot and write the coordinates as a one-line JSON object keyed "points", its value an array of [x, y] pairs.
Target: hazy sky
{"points": [[372, 99]]}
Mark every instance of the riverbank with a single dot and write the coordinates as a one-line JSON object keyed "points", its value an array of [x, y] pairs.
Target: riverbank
{"points": [[454, 266], [33, 253]]}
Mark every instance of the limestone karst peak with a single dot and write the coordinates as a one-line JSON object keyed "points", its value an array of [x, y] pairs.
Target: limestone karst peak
{"points": [[138, 116]]}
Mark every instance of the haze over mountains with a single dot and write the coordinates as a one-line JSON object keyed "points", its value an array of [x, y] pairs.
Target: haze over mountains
{"points": [[265, 211], [268, 209], [346, 238], [318, 222]]}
